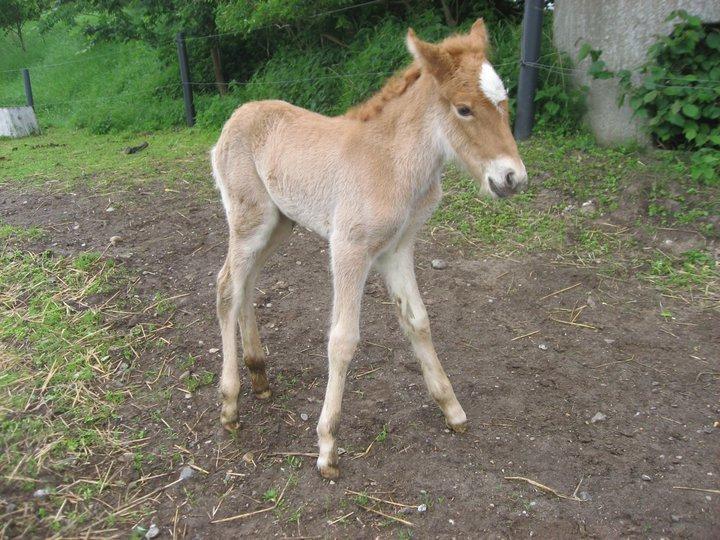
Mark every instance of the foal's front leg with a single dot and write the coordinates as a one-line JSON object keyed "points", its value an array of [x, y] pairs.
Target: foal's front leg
{"points": [[398, 271], [350, 265]]}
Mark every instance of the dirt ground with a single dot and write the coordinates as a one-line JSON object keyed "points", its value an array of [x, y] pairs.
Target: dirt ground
{"points": [[529, 400]]}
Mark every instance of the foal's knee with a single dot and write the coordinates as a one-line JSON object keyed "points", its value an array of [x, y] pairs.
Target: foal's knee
{"points": [[341, 346]]}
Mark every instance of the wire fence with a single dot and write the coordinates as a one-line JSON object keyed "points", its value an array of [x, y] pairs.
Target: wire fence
{"points": [[555, 68]]}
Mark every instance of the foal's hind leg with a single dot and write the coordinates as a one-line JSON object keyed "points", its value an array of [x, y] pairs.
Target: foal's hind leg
{"points": [[253, 237], [399, 274]]}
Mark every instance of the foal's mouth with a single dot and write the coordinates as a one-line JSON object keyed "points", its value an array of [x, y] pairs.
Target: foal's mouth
{"points": [[501, 193]]}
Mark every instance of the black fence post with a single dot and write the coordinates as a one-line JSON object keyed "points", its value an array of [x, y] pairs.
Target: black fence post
{"points": [[529, 55], [28, 88], [185, 77]]}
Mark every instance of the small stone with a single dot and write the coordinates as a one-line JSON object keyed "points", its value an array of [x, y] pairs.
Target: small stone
{"points": [[588, 207], [439, 264], [186, 472], [675, 518], [332, 482], [646, 478], [114, 240], [41, 493], [584, 496], [213, 350], [569, 209], [599, 417], [543, 347], [184, 375], [422, 508], [110, 209], [153, 531], [304, 417], [609, 341]]}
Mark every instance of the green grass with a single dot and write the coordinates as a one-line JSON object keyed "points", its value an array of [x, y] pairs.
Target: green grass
{"points": [[105, 87], [70, 158], [62, 353]]}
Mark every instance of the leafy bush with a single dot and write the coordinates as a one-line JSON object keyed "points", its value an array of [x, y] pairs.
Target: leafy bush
{"points": [[678, 94]]}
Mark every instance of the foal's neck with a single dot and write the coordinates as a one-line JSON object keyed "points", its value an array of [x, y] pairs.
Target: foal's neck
{"points": [[410, 123]]}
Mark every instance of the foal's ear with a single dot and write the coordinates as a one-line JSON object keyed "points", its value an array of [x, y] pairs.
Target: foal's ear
{"points": [[479, 33], [430, 56]]}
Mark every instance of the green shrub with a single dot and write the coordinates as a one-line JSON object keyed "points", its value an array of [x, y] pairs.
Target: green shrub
{"points": [[678, 93]]}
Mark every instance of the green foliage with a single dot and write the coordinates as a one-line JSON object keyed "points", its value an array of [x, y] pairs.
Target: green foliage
{"points": [[14, 14], [124, 75], [678, 92]]}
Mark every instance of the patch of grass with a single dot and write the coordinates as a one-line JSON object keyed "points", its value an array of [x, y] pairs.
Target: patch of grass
{"points": [[199, 380], [62, 355], [65, 158], [692, 269], [8, 233]]}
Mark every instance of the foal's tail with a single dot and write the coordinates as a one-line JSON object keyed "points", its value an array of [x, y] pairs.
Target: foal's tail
{"points": [[219, 183]]}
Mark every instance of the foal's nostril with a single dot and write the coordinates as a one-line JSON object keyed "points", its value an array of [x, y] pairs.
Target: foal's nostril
{"points": [[510, 180]]}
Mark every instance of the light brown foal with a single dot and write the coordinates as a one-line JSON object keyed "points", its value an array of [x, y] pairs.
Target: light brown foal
{"points": [[366, 181]]}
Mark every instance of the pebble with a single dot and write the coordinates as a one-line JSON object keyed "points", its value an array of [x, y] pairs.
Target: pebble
{"points": [[153, 531], [543, 347], [186, 472], [569, 209], [584, 496], [304, 417], [213, 350], [675, 518], [41, 493], [110, 209], [422, 508], [646, 477], [114, 240], [439, 264], [599, 417], [588, 207]]}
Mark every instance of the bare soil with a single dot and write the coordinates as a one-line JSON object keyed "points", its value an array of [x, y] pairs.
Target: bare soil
{"points": [[529, 400]]}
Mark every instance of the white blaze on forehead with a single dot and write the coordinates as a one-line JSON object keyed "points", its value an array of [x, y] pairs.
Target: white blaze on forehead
{"points": [[491, 85]]}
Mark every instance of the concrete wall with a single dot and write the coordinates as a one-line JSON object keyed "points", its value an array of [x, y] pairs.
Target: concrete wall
{"points": [[18, 122], [623, 30]]}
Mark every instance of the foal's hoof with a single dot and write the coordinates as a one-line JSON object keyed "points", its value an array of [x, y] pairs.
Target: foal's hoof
{"points": [[263, 394], [231, 426], [457, 428], [329, 472], [229, 420]]}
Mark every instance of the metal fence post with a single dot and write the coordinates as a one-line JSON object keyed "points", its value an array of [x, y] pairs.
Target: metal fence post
{"points": [[185, 77], [28, 88], [529, 55]]}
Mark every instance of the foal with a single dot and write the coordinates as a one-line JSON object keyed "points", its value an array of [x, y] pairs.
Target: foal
{"points": [[366, 181]]}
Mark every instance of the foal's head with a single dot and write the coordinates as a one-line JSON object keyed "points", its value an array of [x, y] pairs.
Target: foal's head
{"points": [[473, 118]]}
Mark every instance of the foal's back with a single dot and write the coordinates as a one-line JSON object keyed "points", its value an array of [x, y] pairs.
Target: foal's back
{"points": [[309, 165]]}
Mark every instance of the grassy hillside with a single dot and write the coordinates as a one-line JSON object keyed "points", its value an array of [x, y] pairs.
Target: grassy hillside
{"points": [[111, 87], [106, 87]]}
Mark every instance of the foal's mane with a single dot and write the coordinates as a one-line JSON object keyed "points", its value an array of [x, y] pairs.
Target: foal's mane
{"points": [[396, 86]]}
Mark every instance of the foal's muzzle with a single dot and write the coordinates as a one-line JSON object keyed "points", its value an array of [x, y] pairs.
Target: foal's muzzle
{"points": [[506, 177]]}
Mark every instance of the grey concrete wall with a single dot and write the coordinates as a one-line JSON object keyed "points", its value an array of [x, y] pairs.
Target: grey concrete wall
{"points": [[18, 122], [623, 30]]}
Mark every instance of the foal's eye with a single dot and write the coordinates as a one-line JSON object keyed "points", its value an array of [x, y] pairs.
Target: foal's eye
{"points": [[464, 110]]}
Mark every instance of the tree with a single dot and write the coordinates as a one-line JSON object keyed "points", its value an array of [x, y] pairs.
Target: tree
{"points": [[15, 13]]}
